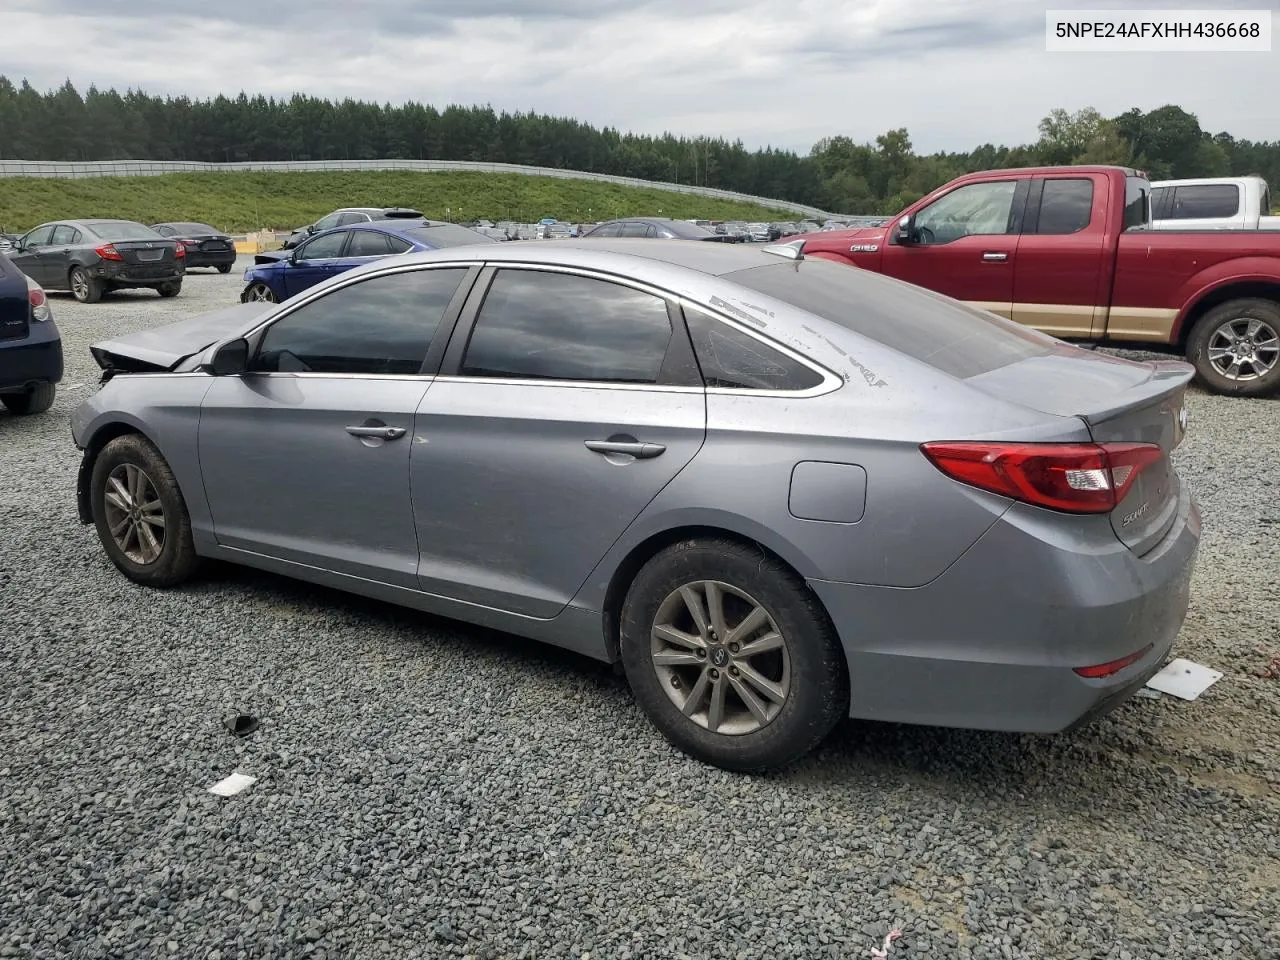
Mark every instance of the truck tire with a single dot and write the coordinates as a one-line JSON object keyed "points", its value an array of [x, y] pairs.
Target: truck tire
{"points": [[1235, 348]]}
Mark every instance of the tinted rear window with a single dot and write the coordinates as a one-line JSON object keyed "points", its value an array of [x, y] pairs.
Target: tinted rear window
{"points": [[122, 230], [948, 335], [192, 227], [1137, 205], [445, 235]]}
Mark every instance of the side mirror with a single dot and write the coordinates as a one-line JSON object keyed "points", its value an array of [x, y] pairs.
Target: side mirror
{"points": [[230, 359], [905, 231], [312, 228]]}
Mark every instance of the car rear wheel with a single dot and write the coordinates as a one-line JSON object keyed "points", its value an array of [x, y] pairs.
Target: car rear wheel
{"points": [[84, 288], [140, 515], [170, 289], [1235, 348], [731, 656], [36, 400], [224, 268], [259, 293]]}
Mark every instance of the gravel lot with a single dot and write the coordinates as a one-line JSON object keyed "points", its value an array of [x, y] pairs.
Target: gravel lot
{"points": [[427, 789]]}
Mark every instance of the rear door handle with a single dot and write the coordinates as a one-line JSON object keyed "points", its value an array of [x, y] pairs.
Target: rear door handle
{"points": [[641, 451], [378, 433], [992, 257]]}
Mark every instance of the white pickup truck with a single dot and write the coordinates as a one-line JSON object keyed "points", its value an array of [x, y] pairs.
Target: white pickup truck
{"points": [[1217, 203]]}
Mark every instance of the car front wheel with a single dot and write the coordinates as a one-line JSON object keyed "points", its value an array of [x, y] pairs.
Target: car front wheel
{"points": [[140, 515], [731, 656], [258, 293]]}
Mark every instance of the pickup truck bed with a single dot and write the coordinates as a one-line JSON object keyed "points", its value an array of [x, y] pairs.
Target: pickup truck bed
{"points": [[1069, 250]]}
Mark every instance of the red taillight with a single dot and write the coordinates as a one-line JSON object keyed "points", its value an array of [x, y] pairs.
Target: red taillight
{"points": [[182, 249], [1100, 670], [36, 297], [108, 251], [1072, 477]]}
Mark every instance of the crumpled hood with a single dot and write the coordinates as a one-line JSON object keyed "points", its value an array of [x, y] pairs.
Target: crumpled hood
{"points": [[165, 347]]}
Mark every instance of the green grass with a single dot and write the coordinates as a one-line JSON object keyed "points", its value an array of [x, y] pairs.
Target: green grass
{"points": [[239, 202]]}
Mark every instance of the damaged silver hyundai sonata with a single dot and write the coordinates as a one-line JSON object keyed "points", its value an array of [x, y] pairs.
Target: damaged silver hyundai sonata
{"points": [[777, 490]]}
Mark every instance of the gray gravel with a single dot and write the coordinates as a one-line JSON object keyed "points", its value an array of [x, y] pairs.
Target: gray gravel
{"points": [[427, 789]]}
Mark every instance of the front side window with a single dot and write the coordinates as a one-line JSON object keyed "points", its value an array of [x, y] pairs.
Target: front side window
{"points": [[1065, 206], [556, 326], [1206, 201], [39, 237], [352, 217], [329, 222], [606, 230], [383, 325], [730, 358], [976, 209], [323, 248]]}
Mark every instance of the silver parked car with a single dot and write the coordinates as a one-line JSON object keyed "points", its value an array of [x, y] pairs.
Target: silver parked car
{"points": [[779, 491]]}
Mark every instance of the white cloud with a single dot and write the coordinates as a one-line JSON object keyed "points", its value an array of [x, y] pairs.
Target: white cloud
{"points": [[956, 73]]}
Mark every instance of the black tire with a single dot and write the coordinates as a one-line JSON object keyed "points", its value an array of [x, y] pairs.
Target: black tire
{"points": [[224, 268], [818, 687], [258, 292], [36, 400], [176, 560], [1219, 327], [83, 287], [171, 289]]}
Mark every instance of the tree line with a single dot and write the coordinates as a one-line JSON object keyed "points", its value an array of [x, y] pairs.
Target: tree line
{"points": [[836, 174]]}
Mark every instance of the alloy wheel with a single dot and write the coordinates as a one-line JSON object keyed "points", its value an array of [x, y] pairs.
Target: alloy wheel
{"points": [[134, 514], [1244, 349], [79, 285], [720, 657], [261, 293]]}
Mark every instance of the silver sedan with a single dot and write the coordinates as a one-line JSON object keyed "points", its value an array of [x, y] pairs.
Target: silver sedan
{"points": [[778, 490]]}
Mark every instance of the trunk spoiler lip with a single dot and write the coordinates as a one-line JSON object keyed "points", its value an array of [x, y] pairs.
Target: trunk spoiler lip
{"points": [[1167, 376]]}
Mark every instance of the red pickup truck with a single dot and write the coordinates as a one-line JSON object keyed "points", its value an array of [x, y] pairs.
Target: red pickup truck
{"points": [[1069, 250]]}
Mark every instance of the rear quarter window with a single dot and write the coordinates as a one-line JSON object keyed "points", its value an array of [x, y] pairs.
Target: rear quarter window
{"points": [[945, 334]]}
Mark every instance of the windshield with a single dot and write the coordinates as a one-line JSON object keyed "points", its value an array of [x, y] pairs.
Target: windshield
{"points": [[944, 333], [122, 230], [445, 235]]}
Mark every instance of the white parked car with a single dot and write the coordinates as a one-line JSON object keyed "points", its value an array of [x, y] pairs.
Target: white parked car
{"points": [[1213, 203]]}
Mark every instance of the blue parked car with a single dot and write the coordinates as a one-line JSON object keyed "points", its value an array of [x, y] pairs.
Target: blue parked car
{"points": [[280, 274], [30, 346]]}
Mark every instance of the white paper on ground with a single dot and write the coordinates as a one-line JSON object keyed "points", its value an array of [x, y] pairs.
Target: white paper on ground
{"points": [[1182, 678], [230, 786]]}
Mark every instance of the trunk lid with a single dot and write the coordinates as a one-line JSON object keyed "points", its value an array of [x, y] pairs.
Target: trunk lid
{"points": [[147, 252], [15, 308], [1120, 402], [165, 347]]}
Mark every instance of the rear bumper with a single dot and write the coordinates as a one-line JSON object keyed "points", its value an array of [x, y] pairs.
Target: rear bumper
{"points": [[135, 275], [210, 258], [992, 643], [37, 358]]}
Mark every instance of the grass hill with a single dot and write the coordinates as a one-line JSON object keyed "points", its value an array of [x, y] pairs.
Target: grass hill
{"points": [[243, 201]]}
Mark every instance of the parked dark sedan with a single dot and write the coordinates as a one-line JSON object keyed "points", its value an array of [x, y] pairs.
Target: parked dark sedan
{"points": [[657, 228], [30, 347], [205, 246], [91, 257]]}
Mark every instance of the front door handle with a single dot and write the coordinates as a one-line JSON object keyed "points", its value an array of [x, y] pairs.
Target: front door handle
{"points": [[641, 451], [377, 433], [991, 257]]}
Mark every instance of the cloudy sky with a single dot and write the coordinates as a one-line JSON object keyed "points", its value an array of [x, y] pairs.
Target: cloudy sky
{"points": [[956, 73]]}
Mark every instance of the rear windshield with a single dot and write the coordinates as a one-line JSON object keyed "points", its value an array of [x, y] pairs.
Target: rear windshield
{"points": [[192, 227], [947, 335], [445, 235], [1137, 203], [122, 230]]}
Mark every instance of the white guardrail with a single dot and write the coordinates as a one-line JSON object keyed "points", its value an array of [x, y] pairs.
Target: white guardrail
{"points": [[151, 168]]}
